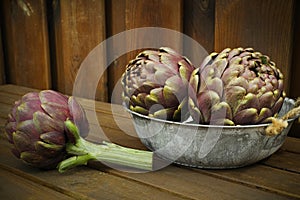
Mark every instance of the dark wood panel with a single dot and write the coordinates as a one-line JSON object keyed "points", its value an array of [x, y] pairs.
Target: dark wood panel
{"points": [[264, 25], [2, 70], [79, 26], [295, 69], [130, 14], [26, 43], [198, 22]]}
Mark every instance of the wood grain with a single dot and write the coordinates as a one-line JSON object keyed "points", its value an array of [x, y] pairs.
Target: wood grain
{"points": [[264, 25], [2, 68], [80, 183], [130, 14], [295, 68], [79, 26], [26, 44], [199, 20], [16, 187]]}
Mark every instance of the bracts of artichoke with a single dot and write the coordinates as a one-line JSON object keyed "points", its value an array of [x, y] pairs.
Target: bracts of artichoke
{"points": [[84, 151]]}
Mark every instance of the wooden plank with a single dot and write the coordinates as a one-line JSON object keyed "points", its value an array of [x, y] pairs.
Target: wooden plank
{"points": [[198, 185], [112, 184], [132, 14], [284, 160], [292, 145], [26, 44], [82, 182], [16, 89], [295, 69], [79, 26], [295, 88], [199, 20], [2, 70], [7, 98], [264, 25], [263, 177], [16, 187]]}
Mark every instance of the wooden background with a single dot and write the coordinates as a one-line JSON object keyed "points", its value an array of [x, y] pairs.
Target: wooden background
{"points": [[44, 47]]}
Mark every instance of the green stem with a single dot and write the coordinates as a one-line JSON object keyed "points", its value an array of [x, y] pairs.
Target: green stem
{"points": [[73, 162], [105, 152]]}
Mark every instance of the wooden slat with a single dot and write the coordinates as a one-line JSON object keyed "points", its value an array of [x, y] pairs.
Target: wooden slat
{"points": [[285, 160], [295, 86], [26, 43], [292, 145], [266, 178], [112, 184], [2, 70], [16, 187], [16, 90], [197, 185], [82, 182], [199, 20], [132, 14], [79, 26], [264, 25]]}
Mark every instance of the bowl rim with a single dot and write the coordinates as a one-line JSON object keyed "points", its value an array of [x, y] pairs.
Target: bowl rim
{"points": [[205, 125]]}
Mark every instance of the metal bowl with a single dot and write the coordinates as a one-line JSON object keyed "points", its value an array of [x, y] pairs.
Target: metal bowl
{"points": [[209, 146]]}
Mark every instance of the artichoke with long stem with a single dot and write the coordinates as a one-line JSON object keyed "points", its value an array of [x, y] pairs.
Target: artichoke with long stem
{"points": [[46, 130]]}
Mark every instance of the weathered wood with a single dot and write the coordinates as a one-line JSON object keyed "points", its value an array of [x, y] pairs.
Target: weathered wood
{"points": [[130, 14], [264, 25], [26, 43], [79, 26]]}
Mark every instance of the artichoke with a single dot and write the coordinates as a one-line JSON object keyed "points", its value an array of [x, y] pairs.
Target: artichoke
{"points": [[36, 127], [236, 87], [155, 84], [46, 130]]}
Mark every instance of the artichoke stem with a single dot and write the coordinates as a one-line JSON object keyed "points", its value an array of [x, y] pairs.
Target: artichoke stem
{"points": [[104, 152], [73, 162]]}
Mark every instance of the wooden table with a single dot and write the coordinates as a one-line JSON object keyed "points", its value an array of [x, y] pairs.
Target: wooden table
{"points": [[277, 177]]}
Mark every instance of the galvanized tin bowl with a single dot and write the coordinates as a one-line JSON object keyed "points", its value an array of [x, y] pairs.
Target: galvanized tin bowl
{"points": [[208, 146]]}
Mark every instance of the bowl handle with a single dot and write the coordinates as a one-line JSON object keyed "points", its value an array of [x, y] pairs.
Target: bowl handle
{"points": [[278, 124]]}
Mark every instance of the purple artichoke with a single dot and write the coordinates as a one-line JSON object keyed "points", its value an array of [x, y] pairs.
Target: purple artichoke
{"points": [[36, 127], [155, 84], [236, 87]]}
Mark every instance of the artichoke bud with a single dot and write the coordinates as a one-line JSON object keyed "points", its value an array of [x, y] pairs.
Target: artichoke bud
{"points": [[155, 84], [248, 81], [35, 127]]}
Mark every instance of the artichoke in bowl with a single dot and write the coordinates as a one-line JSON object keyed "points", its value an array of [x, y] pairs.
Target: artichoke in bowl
{"points": [[236, 87], [155, 84]]}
